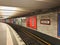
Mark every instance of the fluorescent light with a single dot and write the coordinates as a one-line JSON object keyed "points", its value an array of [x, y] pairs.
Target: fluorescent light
{"points": [[5, 10], [40, 0], [44, 0], [23, 17], [9, 11], [5, 16], [11, 8], [8, 8]]}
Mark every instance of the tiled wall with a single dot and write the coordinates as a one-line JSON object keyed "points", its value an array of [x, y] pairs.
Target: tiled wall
{"points": [[48, 29]]}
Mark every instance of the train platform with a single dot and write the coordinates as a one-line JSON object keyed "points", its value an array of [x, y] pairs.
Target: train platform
{"points": [[29, 22], [12, 34], [8, 36], [32, 37]]}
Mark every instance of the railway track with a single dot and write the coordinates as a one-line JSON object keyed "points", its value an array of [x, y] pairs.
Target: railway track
{"points": [[31, 39]]}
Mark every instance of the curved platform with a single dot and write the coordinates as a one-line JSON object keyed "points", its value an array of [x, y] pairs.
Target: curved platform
{"points": [[8, 36]]}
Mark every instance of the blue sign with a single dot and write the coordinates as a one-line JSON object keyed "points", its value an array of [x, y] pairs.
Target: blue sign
{"points": [[58, 24]]}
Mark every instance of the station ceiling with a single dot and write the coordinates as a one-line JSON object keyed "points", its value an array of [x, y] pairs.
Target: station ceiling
{"points": [[30, 5]]}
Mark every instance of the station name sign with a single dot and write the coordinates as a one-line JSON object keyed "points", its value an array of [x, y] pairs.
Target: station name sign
{"points": [[45, 21]]}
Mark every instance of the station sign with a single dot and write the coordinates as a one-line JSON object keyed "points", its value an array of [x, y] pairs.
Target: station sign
{"points": [[45, 21]]}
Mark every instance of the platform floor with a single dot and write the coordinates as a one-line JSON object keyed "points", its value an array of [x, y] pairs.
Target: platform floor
{"points": [[6, 33]]}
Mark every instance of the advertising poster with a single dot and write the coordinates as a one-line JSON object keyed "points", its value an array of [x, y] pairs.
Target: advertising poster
{"points": [[32, 22]]}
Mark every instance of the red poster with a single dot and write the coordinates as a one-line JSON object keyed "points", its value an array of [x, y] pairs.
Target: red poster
{"points": [[28, 22], [32, 22]]}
